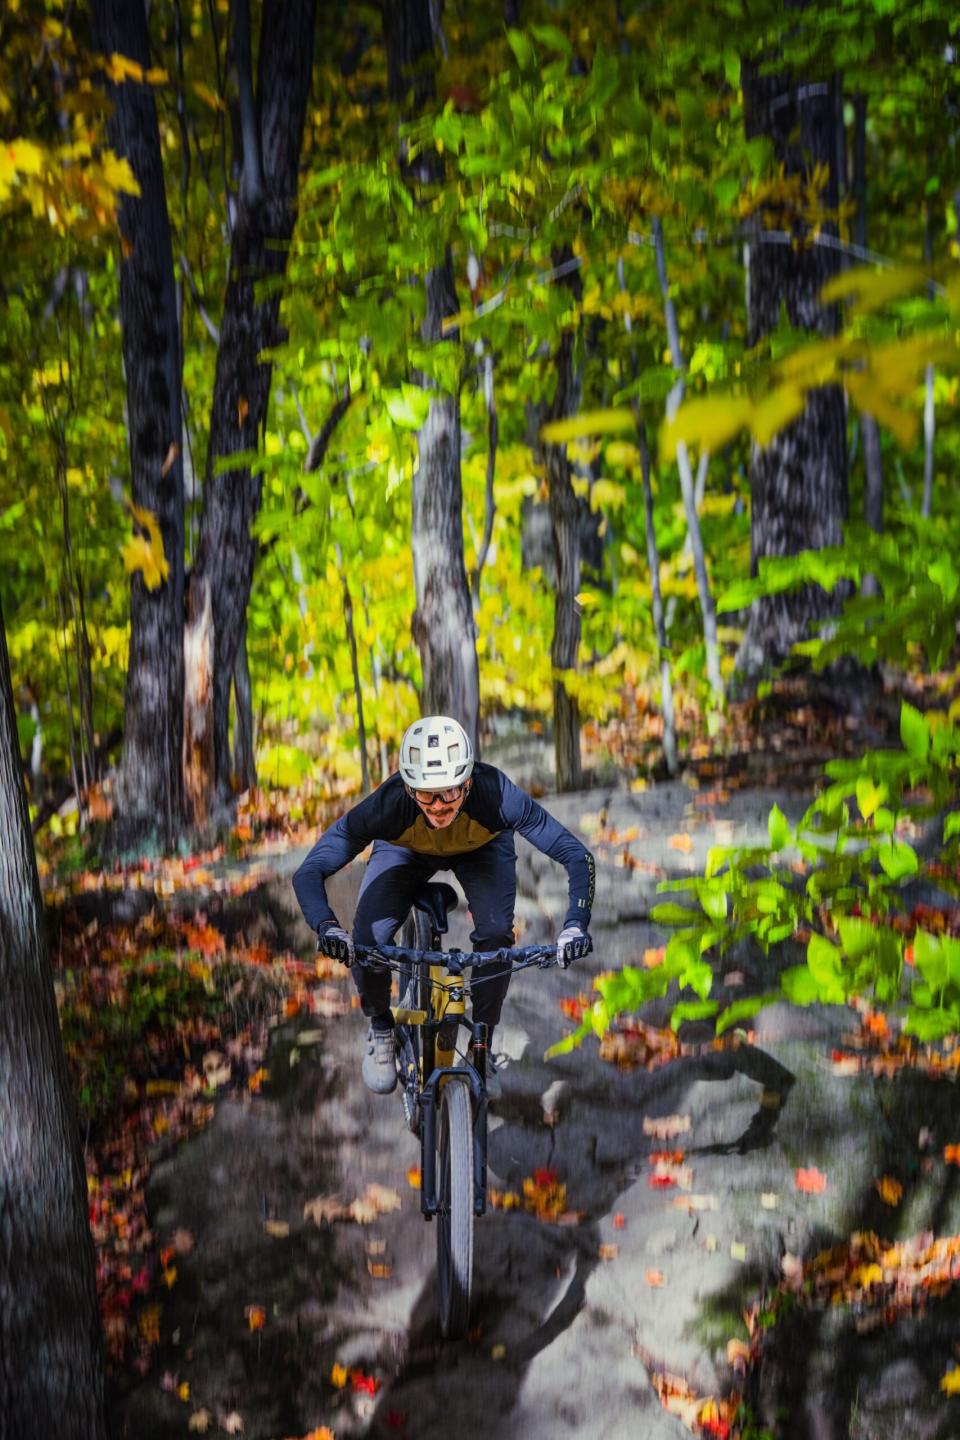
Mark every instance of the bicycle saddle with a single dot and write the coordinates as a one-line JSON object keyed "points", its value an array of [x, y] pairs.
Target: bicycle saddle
{"points": [[435, 899]]}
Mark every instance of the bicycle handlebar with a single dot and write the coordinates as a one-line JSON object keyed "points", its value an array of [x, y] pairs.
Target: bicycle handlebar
{"points": [[456, 961]]}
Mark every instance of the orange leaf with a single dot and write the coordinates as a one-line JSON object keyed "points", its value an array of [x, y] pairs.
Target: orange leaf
{"points": [[256, 1316], [810, 1181], [681, 842], [654, 1279], [889, 1190], [653, 958], [169, 458], [243, 410], [951, 1154]]}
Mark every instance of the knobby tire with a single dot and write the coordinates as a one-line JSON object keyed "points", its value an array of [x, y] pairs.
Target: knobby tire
{"points": [[455, 1216]]}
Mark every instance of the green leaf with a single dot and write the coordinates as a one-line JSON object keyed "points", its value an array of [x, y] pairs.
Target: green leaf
{"points": [[713, 899], [745, 1009], [778, 828], [869, 796], [407, 407], [824, 961], [697, 975], [522, 47], [914, 731], [799, 985], [692, 1010], [552, 38], [932, 1025], [930, 960], [670, 913], [897, 860], [951, 826], [857, 936]]}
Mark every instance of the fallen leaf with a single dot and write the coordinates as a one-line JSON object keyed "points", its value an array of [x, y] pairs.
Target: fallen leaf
{"points": [[276, 1229], [232, 1423], [810, 1181], [183, 1391], [738, 1354], [666, 1127], [950, 1384], [769, 1200], [199, 1422], [256, 1316], [738, 1251], [791, 1267], [681, 842], [951, 1154], [889, 1190], [619, 1220], [339, 1376], [654, 1279], [414, 1178], [608, 1251], [498, 1352], [654, 957]]}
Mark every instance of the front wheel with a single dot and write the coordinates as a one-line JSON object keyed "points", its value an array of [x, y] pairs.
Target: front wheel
{"points": [[455, 1212]]}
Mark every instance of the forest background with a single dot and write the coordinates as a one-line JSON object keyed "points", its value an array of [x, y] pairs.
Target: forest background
{"points": [[505, 361]]}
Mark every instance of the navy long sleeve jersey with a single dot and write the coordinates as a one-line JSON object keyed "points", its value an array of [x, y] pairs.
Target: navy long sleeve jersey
{"points": [[493, 805]]}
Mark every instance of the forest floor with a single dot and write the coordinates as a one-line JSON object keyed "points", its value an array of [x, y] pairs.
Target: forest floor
{"points": [[689, 1236]]}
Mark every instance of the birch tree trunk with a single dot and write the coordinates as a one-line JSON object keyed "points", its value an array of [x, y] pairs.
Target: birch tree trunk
{"points": [[799, 481], [687, 488], [150, 794], [270, 132], [51, 1355], [443, 624]]}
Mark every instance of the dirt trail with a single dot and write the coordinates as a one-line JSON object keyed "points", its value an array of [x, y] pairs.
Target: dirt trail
{"points": [[565, 1340]]}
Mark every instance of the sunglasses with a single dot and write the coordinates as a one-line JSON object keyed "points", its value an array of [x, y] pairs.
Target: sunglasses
{"points": [[429, 798]]}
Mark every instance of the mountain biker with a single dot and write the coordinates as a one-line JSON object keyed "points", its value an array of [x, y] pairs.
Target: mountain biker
{"points": [[441, 811]]}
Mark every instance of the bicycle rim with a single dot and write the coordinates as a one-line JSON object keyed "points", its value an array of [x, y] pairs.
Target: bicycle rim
{"points": [[455, 1216]]}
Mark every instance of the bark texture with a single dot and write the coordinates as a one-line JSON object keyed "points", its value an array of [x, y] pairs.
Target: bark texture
{"points": [[198, 701], [872, 455], [565, 515], [51, 1359], [150, 792], [799, 481], [271, 123], [443, 624]]}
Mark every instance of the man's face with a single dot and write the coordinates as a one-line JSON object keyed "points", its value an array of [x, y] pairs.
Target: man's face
{"points": [[441, 807]]}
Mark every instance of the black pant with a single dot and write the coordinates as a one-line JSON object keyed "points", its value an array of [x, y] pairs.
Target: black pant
{"points": [[489, 880]]}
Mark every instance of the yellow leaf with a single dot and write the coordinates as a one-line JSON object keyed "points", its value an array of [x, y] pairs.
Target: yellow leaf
{"points": [[199, 1421], [818, 362], [950, 1384], [775, 412], [208, 96], [867, 395], [116, 173], [870, 287], [621, 452], [588, 422], [707, 423], [339, 1376]]}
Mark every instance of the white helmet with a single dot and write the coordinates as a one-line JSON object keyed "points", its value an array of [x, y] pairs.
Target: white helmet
{"points": [[435, 754]]}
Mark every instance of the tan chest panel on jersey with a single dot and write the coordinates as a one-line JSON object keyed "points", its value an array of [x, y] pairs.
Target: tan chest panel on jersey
{"points": [[463, 835]]}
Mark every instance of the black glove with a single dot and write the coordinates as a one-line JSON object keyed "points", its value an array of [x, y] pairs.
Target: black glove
{"points": [[572, 943], [334, 941]]}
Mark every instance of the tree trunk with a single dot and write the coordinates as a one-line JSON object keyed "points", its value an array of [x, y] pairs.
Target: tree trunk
{"points": [[270, 132], [659, 625], [51, 1354], [872, 458], [244, 753], [197, 701], [443, 625], [687, 487], [565, 517], [150, 793], [798, 481]]}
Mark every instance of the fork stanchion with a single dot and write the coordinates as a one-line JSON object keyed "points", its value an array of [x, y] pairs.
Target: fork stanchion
{"points": [[480, 1043]]}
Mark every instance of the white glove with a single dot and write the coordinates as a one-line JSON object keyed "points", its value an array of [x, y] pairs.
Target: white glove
{"points": [[572, 942], [335, 942]]}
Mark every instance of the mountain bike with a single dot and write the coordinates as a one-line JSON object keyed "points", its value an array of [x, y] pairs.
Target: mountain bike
{"points": [[443, 1092]]}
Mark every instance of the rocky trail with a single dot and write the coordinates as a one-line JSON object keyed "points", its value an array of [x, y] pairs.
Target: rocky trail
{"points": [[615, 1307]]}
